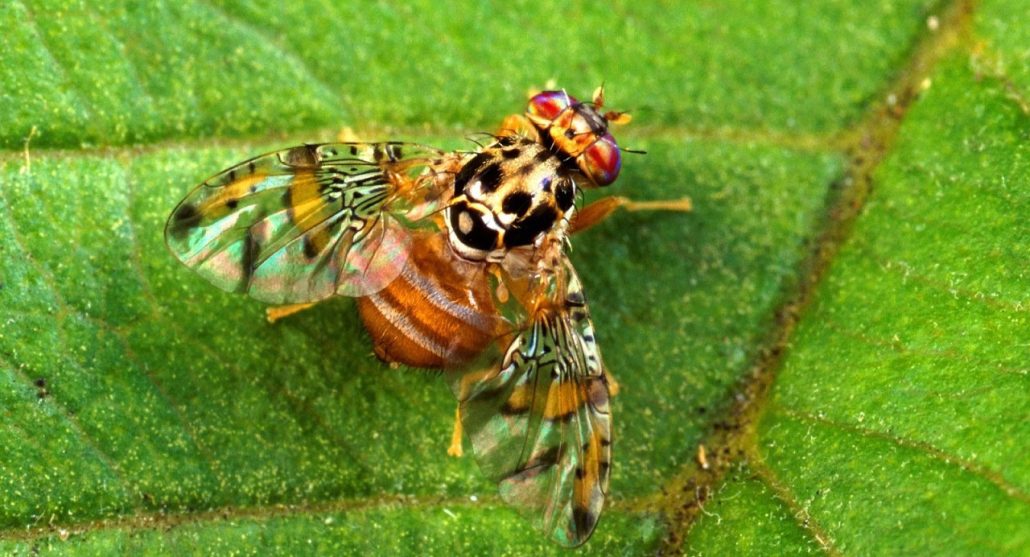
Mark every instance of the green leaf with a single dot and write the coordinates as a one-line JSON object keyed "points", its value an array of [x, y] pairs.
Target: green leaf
{"points": [[858, 382], [905, 393], [898, 422]]}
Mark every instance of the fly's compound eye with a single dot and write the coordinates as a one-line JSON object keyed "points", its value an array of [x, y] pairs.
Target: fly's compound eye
{"points": [[469, 226], [545, 106], [602, 161]]}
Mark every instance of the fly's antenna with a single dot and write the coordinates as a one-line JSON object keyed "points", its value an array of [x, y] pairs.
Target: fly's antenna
{"points": [[598, 97], [473, 138]]}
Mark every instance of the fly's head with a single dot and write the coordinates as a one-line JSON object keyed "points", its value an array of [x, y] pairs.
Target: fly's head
{"points": [[578, 132]]}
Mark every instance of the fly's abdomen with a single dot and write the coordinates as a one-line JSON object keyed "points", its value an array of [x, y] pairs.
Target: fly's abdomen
{"points": [[437, 314]]}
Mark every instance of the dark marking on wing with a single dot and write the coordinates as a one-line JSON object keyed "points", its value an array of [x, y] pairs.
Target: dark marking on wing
{"points": [[584, 519], [573, 299], [186, 217], [540, 463], [251, 249], [311, 247], [510, 409], [305, 156]]}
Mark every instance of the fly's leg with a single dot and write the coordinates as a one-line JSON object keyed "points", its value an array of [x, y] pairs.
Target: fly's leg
{"points": [[601, 209], [276, 313], [455, 447], [465, 385]]}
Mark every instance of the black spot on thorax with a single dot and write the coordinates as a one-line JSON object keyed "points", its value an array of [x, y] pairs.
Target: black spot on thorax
{"points": [[517, 203], [565, 194], [479, 236], [491, 176], [524, 231], [543, 155], [468, 171]]}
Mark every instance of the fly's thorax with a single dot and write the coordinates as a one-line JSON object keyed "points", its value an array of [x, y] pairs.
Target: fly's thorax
{"points": [[507, 196]]}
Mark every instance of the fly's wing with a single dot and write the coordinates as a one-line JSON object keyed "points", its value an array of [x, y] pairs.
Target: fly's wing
{"points": [[539, 422], [302, 224]]}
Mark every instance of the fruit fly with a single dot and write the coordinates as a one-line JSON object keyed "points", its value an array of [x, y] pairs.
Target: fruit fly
{"points": [[458, 262]]}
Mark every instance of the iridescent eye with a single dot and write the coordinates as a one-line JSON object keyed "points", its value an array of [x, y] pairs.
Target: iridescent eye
{"points": [[601, 161], [547, 105]]}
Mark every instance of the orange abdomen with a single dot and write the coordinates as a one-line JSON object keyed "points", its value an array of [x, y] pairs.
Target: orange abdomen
{"points": [[437, 314]]}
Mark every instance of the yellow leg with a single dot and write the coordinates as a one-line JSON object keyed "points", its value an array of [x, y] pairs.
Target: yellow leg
{"points": [[467, 381], [455, 448], [601, 209], [276, 313]]}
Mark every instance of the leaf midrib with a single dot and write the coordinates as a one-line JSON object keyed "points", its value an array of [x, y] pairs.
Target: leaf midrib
{"points": [[867, 144]]}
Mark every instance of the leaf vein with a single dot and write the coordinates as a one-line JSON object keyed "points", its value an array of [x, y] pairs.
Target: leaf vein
{"points": [[968, 466]]}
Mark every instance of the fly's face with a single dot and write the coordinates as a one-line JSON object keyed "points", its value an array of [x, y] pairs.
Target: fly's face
{"points": [[507, 196], [579, 132]]}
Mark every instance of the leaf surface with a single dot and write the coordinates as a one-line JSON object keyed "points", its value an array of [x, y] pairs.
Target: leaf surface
{"points": [[143, 411]]}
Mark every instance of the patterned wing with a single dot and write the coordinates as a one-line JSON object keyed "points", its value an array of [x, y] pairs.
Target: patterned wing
{"points": [[305, 223], [540, 424]]}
